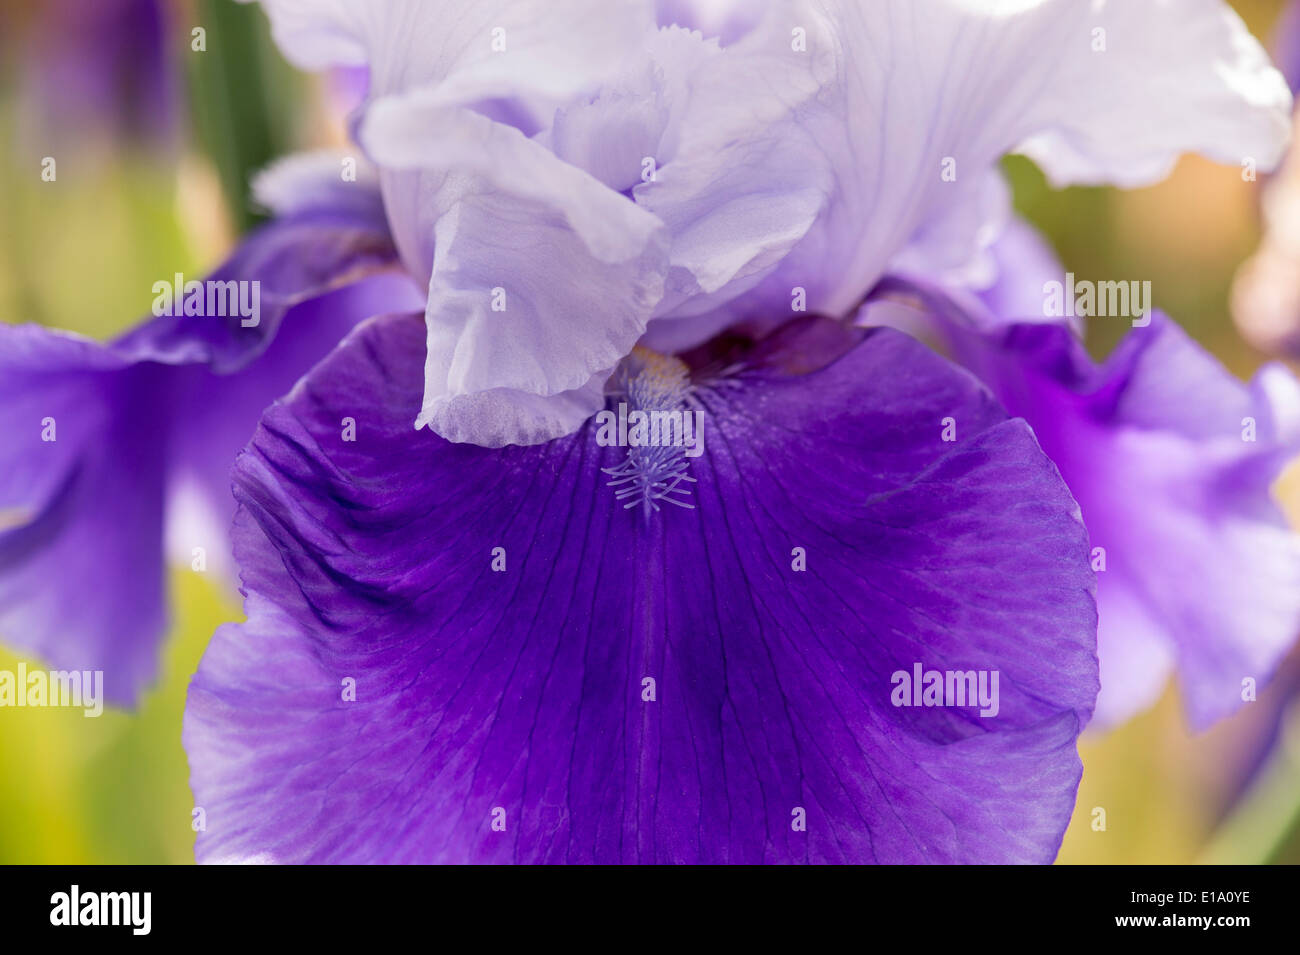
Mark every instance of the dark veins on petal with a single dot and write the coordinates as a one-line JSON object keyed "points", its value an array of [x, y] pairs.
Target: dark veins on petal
{"points": [[466, 654]]}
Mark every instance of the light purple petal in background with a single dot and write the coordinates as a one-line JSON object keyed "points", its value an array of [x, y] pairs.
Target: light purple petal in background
{"points": [[1202, 569], [1172, 461], [330, 237], [146, 430], [1285, 44], [520, 694], [1024, 263], [81, 506]]}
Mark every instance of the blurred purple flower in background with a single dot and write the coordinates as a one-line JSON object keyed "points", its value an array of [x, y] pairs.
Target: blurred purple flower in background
{"points": [[97, 68]]}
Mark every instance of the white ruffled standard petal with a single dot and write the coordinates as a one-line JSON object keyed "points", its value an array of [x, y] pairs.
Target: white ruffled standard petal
{"points": [[1138, 82], [542, 277], [808, 149], [906, 105], [535, 51]]}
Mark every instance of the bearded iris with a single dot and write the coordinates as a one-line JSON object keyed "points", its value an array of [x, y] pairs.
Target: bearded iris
{"points": [[463, 644]]}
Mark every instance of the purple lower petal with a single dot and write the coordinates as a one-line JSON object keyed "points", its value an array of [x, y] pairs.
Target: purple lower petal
{"points": [[518, 694]]}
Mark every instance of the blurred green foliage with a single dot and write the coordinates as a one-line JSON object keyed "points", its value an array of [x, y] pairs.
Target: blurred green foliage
{"points": [[113, 788], [242, 99]]}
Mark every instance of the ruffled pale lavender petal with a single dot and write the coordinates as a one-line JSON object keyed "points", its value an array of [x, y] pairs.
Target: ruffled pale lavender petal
{"points": [[324, 181], [1172, 461], [392, 695], [905, 106], [1136, 82], [790, 164], [538, 54], [514, 60], [543, 277], [1023, 263]]}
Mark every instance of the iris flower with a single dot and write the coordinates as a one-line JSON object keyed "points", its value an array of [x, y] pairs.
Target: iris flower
{"points": [[469, 647], [478, 632]]}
